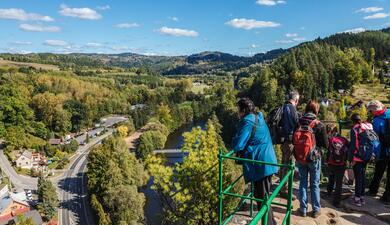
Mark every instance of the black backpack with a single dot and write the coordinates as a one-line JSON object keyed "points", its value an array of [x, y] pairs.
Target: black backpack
{"points": [[274, 119]]}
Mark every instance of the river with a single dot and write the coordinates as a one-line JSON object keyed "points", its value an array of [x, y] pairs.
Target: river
{"points": [[153, 207]]}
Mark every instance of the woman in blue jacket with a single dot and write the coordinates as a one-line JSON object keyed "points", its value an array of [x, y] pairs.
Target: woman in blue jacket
{"points": [[253, 141]]}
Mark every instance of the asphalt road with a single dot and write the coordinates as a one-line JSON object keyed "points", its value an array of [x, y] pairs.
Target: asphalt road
{"points": [[19, 181], [71, 185]]}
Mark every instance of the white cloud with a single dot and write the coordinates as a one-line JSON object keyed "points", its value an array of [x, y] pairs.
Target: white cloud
{"points": [[299, 39], [104, 7], [294, 38], [254, 46], [16, 51], [178, 32], [174, 18], [20, 14], [126, 25], [284, 41], [82, 13], [38, 28], [369, 9], [377, 16], [94, 45], [249, 24], [119, 47], [355, 30], [270, 2], [56, 43], [291, 35], [150, 54], [21, 43]]}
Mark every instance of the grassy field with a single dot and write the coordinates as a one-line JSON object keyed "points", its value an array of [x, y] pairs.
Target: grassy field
{"points": [[35, 65], [368, 92], [198, 88]]}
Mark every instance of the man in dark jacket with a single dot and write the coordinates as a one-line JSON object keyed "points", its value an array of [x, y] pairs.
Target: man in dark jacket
{"points": [[289, 123]]}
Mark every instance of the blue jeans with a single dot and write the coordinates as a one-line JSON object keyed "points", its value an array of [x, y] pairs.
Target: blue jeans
{"points": [[314, 169]]}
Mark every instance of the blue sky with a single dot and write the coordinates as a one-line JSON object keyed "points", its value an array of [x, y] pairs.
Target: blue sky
{"points": [[178, 27]]}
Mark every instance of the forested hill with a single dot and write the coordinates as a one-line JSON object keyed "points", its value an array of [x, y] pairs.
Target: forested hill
{"points": [[321, 67], [378, 40], [204, 62]]}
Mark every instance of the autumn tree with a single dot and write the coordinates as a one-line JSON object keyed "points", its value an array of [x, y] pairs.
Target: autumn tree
{"points": [[47, 198], [114, 176], [190, 193]]}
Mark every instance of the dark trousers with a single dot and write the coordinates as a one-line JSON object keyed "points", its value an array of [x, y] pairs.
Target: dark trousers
{"points": [[336, 174], [380, 168], [359, 170], [287, 152], [263, 188]]}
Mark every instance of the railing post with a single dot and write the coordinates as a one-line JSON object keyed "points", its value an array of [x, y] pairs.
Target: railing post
{"points": [[290, 192], [220, 195], [264, 221], [252, 195]]}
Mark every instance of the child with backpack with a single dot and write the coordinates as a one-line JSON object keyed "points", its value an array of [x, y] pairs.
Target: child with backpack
{"points": [[307, 140], [336, 161], [364, 147]]}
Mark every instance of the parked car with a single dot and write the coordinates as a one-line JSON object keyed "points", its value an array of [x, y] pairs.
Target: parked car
{"points": [[29, 195]]}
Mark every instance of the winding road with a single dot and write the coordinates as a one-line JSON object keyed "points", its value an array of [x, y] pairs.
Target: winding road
{"points": [[71, 185]]}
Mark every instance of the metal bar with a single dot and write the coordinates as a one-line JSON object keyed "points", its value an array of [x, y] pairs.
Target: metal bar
{"points": [[235, 210], [252, 195], [254, 161], [287, 217], [254, 199], [269, 200], [220, 194], [234, 182]]}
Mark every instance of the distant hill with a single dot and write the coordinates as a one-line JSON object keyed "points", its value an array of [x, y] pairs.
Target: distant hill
{"points": [[208, 62], [204, 62], [212, 62]]}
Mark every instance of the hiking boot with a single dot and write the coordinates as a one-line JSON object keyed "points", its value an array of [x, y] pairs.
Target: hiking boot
{"points": [[362, 201], [356, 201], [301, 214], [316, 214]]}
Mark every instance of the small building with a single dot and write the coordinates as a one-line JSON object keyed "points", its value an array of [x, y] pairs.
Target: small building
{"points": [[33, 214], [325, 102], [55, 141], [3, 190], [11, 207], [30, 160]]}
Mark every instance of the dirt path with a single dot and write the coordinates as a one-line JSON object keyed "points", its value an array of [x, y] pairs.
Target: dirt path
{"points": [[131, 140]]}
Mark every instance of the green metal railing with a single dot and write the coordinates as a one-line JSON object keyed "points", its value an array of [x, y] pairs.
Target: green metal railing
{"points": [[262, 214]]}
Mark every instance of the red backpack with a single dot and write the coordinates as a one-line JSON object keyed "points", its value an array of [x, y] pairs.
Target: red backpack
{"points": [[304, 141]]}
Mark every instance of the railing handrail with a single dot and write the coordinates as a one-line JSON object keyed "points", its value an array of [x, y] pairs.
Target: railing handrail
{"points": [[266, 202]]}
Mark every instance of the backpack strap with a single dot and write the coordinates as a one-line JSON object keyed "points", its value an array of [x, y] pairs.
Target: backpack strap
{"points": [[313, 123], [253, 132]]}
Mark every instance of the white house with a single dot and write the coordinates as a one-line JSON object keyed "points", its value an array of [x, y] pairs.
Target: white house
{"points": [[30, 160]]}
